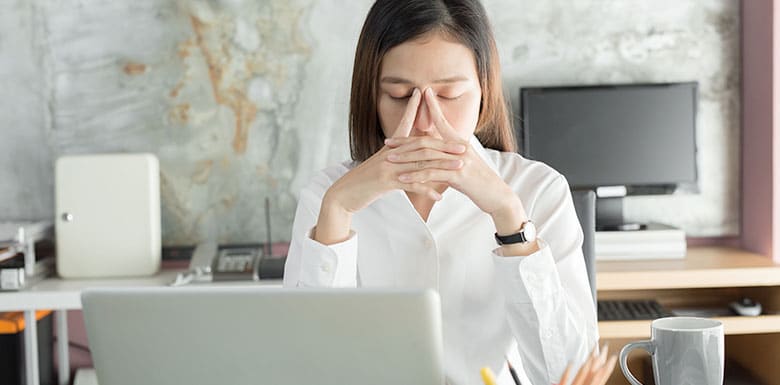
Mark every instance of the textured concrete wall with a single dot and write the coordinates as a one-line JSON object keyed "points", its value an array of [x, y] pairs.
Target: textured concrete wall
{"points": [[592, 42], [243, 100]]}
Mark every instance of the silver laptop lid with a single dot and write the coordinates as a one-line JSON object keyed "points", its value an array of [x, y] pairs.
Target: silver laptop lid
{"points": [[237, 336]]}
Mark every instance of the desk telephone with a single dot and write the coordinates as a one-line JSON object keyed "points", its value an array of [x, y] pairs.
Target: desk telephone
{"points": [[244, 262]]}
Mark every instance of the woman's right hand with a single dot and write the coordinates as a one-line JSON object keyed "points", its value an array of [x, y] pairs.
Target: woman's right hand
{"points": [[595, 371], [374, 177]]}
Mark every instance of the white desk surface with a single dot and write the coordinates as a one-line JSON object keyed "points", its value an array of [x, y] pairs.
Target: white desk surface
{"points": [[65, 294], [85, 377]]}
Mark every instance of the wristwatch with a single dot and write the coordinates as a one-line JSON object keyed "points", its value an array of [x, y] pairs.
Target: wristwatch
{"points": [[526, 234]]}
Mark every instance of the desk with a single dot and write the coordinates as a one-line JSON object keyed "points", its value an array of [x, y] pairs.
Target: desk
{"points": [[85, 377], [707, 277], [62, 295]]}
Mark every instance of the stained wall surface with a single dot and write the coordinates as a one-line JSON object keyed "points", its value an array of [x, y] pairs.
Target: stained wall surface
{"points": [[244, 100]]}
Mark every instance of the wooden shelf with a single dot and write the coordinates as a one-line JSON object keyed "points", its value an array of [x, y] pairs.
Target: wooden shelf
{"points": [[703, 267], [731, 325]]}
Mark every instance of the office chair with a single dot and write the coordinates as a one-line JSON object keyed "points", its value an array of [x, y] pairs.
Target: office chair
{"points": [[585, 206]]}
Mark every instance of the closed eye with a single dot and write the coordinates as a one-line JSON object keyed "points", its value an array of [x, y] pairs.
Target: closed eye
{"points": [[407, 96], [452, 98]]}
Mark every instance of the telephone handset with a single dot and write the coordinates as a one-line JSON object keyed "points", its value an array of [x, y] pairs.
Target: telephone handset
{"points": [[241, 262], [248, 262]]}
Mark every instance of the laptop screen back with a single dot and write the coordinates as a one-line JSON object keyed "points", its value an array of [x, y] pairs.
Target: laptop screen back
{"points": [[198, 335]]}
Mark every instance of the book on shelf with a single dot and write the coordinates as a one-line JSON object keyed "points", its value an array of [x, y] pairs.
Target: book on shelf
{"points": [[656, 241], [13, 274], [7, 251], [653, 232], [26, 253], [646, 255], [642, 247]]}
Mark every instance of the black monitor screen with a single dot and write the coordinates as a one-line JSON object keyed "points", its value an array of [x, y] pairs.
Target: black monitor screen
{"points": [[631, 135]]}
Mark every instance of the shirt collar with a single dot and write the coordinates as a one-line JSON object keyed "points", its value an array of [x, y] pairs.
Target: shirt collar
{"points": [[483, 153]]}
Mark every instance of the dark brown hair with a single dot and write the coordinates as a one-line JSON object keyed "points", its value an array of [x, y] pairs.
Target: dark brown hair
{"points": [[393, 22]]}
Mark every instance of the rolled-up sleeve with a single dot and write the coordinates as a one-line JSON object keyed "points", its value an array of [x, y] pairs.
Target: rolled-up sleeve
{"points": [[548, 297], [311, 263], [328, 265]]}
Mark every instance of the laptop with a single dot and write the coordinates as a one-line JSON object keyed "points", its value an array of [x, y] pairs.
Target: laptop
{"points": [[248, 335]]}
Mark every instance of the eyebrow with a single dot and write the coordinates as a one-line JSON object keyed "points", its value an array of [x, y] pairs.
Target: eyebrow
{"points": [[397, 80]]}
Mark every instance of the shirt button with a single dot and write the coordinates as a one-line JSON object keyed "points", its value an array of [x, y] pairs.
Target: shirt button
{"points": [[325, 268], [548, 334]]}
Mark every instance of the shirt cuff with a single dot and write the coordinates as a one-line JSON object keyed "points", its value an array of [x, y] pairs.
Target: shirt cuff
{"points": [[329, 265], [528, 279]]}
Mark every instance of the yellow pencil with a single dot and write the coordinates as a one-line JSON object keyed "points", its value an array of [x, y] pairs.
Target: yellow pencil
{"points": [[487, 376]]}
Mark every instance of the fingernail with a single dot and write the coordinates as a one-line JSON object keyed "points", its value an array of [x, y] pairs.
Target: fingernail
{"points": [[416, 92], [457, 163], [389, 141], [459, 148], [405, 178], [437, 196], [429, 91]]}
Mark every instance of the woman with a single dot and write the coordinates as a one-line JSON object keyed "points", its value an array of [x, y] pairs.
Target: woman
{"points": [[435, 196]]}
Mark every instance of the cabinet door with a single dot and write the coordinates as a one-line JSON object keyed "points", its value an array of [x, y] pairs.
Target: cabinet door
{"points": [[108, 215]]}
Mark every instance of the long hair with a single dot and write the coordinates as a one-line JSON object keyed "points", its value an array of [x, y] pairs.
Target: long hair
{"points": [[393, 22]]}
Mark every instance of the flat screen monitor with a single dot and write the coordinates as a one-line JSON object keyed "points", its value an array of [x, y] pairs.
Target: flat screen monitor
{"points": [[618, 140], [638, 136]]}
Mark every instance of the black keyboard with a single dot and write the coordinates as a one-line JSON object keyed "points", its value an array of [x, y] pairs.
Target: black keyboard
{"points": [[614, 310]]}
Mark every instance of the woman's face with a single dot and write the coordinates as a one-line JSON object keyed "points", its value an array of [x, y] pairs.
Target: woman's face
{"points": [[432, 61]]}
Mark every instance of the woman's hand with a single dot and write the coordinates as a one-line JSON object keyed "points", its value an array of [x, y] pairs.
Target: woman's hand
{"points": [[367, 182], [373, 178], [474, 177], [595, 371]]}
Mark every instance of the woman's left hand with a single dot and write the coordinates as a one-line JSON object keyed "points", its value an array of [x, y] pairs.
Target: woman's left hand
{"points": [[474, 178]]}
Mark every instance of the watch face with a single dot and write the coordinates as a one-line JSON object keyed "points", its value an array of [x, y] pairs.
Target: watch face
{"points": [[529, 231]]}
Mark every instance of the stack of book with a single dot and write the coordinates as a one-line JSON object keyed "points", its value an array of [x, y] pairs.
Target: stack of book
{"points": [[26, 253], [656, 241]]}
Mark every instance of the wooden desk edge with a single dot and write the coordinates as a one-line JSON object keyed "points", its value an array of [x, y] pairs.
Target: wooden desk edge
{"points": [[703, 268], [764, 324]]}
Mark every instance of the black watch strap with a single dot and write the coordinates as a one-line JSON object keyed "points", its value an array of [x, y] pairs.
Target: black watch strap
{"points": [[511, 239]]}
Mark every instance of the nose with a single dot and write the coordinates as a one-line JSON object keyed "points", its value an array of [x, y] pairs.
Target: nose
{"points": [[423, 121]]}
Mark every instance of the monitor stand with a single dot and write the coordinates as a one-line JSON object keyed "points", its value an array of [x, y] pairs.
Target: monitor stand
{"points": [[609, 216]]}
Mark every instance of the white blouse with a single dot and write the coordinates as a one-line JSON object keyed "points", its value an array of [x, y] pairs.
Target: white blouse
{"points": [[537, 310]]}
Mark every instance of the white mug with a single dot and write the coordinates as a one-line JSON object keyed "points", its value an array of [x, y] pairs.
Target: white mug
{"points": [[685, 351]]}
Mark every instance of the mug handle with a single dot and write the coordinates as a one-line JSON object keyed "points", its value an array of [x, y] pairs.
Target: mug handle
{"points": [[646, 345]]}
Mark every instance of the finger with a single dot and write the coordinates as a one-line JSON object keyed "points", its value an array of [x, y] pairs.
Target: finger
{"points": [[565, 375], [420, 165], [419, 155], [428, 175], [441, 123], [396, 142], [407, 121], [603, 374], [417, 142], [420, 188], [583, 373], [602, 357]]}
